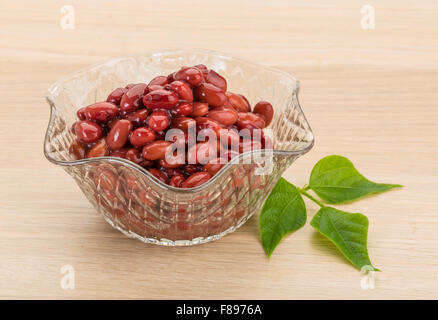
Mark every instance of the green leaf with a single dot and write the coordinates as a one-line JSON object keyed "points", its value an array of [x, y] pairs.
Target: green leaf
{"points": [[348, 231], [284, 212], [335, 180]]}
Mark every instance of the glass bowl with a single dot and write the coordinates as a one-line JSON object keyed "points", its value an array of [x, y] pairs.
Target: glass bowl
{"points": [[140, 206]]}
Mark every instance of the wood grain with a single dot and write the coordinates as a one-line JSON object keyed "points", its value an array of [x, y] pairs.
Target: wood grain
{"points": [[370, 95]]}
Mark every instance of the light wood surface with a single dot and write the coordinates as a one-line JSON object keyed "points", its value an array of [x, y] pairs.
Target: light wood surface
{"points": [[370, 95]]}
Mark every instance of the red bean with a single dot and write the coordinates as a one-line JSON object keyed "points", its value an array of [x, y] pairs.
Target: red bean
{"points": [[191, 75], [131, 100], [190, 169], [116, 95], [138, 118], [101, 112], [159, 175], [238, 103], [118, 135], [134, 155], [214, 165], [99, 149], [81, 113], [200, 109], [183, 123], [155, 87], [141, 136], [121, 153], [156, 150], [214, 96], [202, 68], [87, 131], [207, 123], [160, 99], [248, 125], [77, 150], [248, 105], [182, 109], [223, 115], [216, 79], [171, 77], [252, 117], [175, 163], [196, 179], [176, 180], [160, 81], [183, 90], [158, 120], [265, 109]]}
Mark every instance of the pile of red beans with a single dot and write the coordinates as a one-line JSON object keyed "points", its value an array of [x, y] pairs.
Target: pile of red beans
{"points": [[133, 121]]}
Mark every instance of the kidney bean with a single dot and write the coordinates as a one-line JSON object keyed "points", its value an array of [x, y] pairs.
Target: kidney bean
{"points": [[223, 115], [171, 77], [183, 90], [134, 155], [191, 75], [87, 131], [158, 120], [265, 109], [160, 80], [156, 150], [99, 149], [155, 87], [214, 165], [173, 164], [246, 101], [251, 117], [247, 129], [116, 95], [176, 180], [160, 99], [120, 153], [183, 123], [159, 175], [138, 118], [196, 179], [209, 93], [238, 103], [202, 68], [81, 113], [208, 123], [131, 100], [141, 136], [216, 79], [182, 109], [105, 178], [130, 85], [170, 172], [118, 135], [190, 169], [77, 150], [101, 112], [200, 109]]}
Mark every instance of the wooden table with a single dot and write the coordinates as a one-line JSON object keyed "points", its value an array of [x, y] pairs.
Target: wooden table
{"points": [[370, 95]]}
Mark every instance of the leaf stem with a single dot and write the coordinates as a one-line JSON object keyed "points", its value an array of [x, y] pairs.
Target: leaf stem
{"points": [[306, 194]]}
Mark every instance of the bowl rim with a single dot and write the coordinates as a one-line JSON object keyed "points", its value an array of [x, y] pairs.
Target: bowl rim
{"points": [[140, 169]]}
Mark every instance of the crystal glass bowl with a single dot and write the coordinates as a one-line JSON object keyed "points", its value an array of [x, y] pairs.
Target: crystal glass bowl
{"points": [[139, 205]]}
